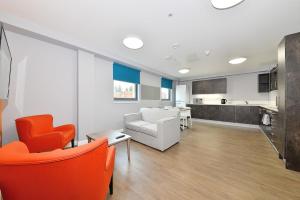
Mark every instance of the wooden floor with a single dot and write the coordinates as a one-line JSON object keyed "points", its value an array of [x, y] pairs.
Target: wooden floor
{"points": [[211, 162]]}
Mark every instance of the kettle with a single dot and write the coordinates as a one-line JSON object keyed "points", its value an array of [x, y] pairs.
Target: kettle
{"points": [[223, 101]]}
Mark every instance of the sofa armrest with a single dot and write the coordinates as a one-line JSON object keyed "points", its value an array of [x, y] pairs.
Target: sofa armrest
{"points": [[168, 123], [132, 117], [168, 131]]}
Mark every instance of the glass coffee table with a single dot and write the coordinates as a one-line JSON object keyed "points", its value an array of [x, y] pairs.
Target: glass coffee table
{"points": [[114, 137]]}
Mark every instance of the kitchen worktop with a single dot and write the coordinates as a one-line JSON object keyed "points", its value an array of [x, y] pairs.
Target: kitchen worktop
{"points": [[266, 106], [270, 107]]}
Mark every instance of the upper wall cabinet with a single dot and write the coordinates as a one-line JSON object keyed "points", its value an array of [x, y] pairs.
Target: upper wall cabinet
{"points": [[213, 86], [264, 82], [273, 81]]}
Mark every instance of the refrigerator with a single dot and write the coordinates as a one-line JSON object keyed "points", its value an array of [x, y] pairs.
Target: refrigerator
{"points": [[181, 95]]}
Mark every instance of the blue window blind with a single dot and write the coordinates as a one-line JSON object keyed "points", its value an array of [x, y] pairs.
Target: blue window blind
{"points": [[166, 83], [127, 74]]}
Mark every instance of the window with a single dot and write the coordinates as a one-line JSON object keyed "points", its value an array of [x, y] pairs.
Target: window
{"points": [[125, 91], [166, 89], [126, 81], [165, 94]]}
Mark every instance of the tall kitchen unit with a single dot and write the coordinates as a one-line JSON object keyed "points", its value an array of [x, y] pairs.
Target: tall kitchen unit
{"points": [[289, 100], [181, 95]]}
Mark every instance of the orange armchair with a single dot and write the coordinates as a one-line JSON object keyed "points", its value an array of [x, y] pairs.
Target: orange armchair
{"points": [[38, 133], [79, 173]]}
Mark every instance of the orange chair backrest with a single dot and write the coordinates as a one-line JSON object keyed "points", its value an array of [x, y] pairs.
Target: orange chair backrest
{"points": [[33, 125], [76, 173]]}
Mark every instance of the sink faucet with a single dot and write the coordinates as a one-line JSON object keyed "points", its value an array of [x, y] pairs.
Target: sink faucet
{"points": [[246, 102]]}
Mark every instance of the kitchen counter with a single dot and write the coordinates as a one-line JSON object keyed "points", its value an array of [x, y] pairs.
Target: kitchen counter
{"points": [[236, 113], [269, 107]]}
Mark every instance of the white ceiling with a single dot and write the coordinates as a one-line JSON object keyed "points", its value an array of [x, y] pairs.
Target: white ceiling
{"points": [[252, 29]]}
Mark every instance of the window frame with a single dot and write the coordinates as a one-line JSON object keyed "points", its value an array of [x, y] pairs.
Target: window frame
{"points": [[127, 99], [169, 94]]}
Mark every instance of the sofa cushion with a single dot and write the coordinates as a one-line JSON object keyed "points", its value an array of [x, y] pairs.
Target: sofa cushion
{"points": [[149, 129], [136, 125], [143, 127]]}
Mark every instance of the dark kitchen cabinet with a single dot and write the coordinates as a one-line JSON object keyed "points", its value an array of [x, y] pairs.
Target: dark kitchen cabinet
{"points": [[227, 113], [242, 114], [213, 112], [219, 86], [247, 114], [198, 112], [199, 87], [272, 131], [203, 114], [194, 110], [213, 86], [273, 81], [276, 133], [264, 82]]}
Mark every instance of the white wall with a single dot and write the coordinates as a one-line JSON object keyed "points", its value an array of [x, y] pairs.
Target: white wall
{"points": [[109, 114], [86, 93], [244, 87], [43, 80], [239, 88]]}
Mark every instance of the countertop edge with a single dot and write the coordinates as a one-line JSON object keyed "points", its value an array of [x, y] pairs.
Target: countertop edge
{"points": [[262, 106]]}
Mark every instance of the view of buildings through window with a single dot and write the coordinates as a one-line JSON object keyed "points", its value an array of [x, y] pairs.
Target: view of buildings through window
{"points": [[125, 90]]}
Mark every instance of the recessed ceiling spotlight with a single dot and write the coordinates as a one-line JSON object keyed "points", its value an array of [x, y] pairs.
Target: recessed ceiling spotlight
{"points": [[133, 42], [225, 4], [184, 71], [236, 61]]}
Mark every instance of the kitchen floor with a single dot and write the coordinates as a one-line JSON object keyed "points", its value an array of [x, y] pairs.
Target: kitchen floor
{"points": [[211, 162]]}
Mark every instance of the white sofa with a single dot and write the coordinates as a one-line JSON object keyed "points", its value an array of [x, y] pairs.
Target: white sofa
{"points": [[155, 127]]}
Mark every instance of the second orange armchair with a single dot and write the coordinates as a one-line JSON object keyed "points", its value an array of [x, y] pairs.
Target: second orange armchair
{"points": [[38, 133], [81, 173]]}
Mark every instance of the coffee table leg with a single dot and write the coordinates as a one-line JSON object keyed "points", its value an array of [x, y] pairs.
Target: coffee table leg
{"points": [[128, 149]]}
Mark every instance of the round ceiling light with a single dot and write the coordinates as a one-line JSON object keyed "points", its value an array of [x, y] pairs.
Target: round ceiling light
{"points": [[236, 61], [184, 71], [225, 4], [133, 42]]}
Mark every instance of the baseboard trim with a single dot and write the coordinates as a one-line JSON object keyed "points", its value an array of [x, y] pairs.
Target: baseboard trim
{"points": [[262, 131], [227, 123]]}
